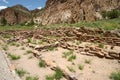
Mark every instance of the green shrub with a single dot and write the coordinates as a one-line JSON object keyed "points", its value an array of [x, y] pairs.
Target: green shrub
{"points": [[42, 63], [17, 45], [30, 57], [71, 69], [6, 36], [51, 48], [22, 48], [66, 54], [88, 61], [49, 77], [14, 57], [81, 67], [101, 45], [78, 42], [12, 44], [29, 40], [28, 51], [20, 72], [32, 78], [115, 75], [5, 47], [111, 14], [58, 74], [72, 57]]}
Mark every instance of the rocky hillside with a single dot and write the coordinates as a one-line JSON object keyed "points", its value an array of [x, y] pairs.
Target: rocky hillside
{"points": [[37, 13], [15, 15], [59, 11], [70, 11]]}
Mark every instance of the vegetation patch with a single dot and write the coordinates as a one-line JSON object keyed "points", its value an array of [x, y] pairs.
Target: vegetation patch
{"points": [[20, 72], [71, 69], [14, 57], [81, 67], [111, 14], [6, 36], [51, 48], [49, 77], [28, 52], [30, 57], [12, 44], [29, 40], [115, 75], [5, 47], [42, 63], [72, 57], [57, 76], [32, 78], [101, 45], [66, 54], [87, 61], [22, 48], [78, 42]]}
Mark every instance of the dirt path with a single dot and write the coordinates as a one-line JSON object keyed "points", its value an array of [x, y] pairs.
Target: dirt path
{"points": [[5, 72]]}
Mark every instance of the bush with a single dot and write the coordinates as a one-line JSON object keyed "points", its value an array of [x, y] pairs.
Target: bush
{"points": [[49, 77], [115, 76], [57, 76], [32, 78], [111, 14], [14, 57], [101, 45], [66, 54], [3, 21], [42, 63], [87, 61], [81, 67], [71, 69], [72, 57], [20, 72]]}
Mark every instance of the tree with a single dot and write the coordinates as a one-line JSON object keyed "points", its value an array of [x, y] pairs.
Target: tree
{"points": [[3, 21], [111, 14]]}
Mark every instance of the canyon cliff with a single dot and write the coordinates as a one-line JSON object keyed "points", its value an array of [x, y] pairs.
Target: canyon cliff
{"points": [[71, 11]]}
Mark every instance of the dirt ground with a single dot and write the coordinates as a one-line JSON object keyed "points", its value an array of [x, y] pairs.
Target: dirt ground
{"points": [[98, 69]]}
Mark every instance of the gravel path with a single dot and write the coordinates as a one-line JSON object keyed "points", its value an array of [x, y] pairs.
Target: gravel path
{"points": [[5, 73]]}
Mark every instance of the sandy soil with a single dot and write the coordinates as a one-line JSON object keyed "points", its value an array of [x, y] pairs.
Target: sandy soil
{"points": [[97, 69]]}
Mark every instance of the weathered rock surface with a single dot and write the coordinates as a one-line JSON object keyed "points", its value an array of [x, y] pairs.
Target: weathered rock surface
{"points": [[70, 11], [15, 15]]}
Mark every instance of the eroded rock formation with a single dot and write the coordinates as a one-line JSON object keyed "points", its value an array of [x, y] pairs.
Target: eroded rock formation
{"points": [[70, 11], [15, 15]]}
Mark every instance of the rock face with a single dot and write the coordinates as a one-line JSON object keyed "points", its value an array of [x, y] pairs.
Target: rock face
{"points": [[37, 13], [70, 11], [15, 15]]}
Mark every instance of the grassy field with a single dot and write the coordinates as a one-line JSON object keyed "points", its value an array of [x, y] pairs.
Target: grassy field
{"points": [[15, 27], [105, 24]]}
